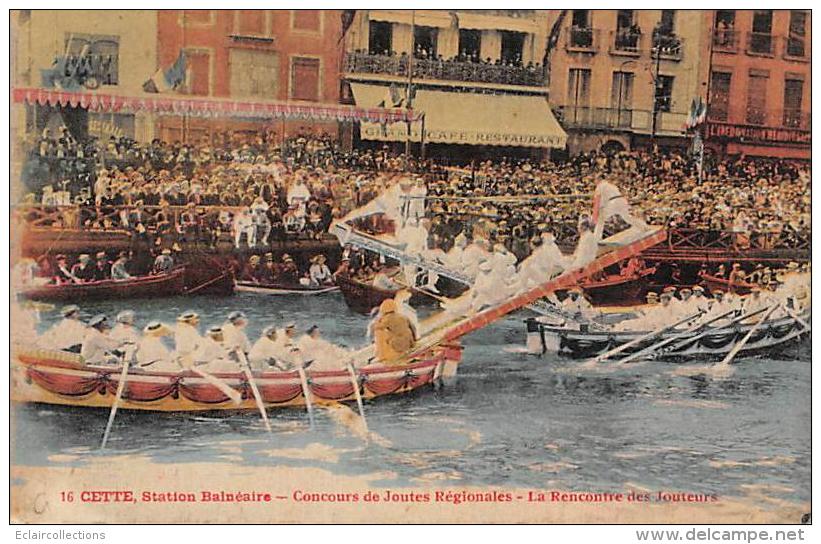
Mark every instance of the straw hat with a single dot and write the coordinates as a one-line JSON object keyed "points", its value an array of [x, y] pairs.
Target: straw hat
{"points": [[70, 310], [156, 329], [126, 317], [188, 317]]}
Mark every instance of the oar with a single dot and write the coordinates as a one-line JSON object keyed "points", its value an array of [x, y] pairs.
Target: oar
{"points": [[246, 368], [117, 397], [798, 319], [358, 394], [637, 341], [226, 389], [733, 352], [306, 392], [702, 334], [676, 336]]}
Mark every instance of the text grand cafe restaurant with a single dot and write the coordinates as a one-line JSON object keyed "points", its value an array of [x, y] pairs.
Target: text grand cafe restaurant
{"points": [[462, 126]]}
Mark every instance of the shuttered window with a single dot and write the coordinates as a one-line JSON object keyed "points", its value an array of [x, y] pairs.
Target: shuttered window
{"points": [[757, 100], [305, 79], [198, 72], [254, 73], [720, 96], [793, 98]]}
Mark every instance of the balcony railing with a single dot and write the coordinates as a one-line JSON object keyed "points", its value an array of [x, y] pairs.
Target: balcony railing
{"points": [[765, 118], [624, 42], [795, 47], [589, 117], [670, 47], [760, 43], [725, 40], [582, 39], [448, 70]]}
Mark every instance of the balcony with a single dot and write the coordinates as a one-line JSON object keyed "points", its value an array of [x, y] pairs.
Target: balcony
{"points": [[725, 40], [760, 117], [625, 43], [760, 43], [668, 46], [447, 70], [595, 118], [582, 40], [795, 48]]}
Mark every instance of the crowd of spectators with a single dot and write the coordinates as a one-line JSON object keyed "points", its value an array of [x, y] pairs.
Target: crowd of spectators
{"points": [[256, 190]]}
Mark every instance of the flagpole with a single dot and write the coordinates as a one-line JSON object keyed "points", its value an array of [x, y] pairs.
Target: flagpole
{"points": [[410, 82]]}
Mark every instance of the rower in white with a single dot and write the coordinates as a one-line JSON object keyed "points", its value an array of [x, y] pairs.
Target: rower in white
{"points": [[98, 346], [324, 354], [187, 338], [265, 353], [233, 332], [66, 334], [152, 354]]}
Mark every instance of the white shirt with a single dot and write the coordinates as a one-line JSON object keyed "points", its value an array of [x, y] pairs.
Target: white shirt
{"points": [[326, 356], [298, 192], [186, 339], [68, 332], [262, 352], [96, 346], [320, 273], [124, 334], [234, 337]]}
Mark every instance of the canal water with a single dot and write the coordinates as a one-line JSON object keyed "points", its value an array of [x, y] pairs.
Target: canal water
{"points": [[510, 419]]}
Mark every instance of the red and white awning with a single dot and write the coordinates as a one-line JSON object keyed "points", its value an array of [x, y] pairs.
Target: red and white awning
{"points": [[209, 107]]}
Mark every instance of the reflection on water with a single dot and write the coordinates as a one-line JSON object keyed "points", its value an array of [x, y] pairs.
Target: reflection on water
{"points": [[510, 419]]}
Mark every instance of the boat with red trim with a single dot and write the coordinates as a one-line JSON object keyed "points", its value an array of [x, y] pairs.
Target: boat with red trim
{"points": [[714, 283], [283, 289], [59, 377], [153, 285]]}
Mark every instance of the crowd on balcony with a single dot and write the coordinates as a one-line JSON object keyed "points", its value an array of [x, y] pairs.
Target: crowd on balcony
{"points": [[466, 66]]}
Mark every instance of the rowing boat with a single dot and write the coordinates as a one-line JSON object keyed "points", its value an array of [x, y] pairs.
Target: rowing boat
{"points": [[59, 377], [577, 341], [154, 285], [617, 290], [282, 289]]}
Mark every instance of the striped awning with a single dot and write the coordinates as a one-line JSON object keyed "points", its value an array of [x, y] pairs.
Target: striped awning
{"points": [[433, 18], [177, 104], [467, 118]]}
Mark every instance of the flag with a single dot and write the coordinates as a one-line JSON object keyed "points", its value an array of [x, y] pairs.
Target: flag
{"points": [[698, 113], [166, 80], [553, 37], [347, 20], [393, 98]]}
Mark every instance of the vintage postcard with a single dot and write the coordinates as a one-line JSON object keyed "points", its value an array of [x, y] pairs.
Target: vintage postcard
{"points": [[410, 266]]}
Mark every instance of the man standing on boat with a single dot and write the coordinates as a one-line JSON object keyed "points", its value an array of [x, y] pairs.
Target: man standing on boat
{"points": [[545, 262], [119, 270], [319, 272], [66, 334], [393, 334], [609, 202], [164, 262]]}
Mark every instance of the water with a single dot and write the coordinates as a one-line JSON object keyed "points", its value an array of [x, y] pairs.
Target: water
{"points": [[510, 419]]}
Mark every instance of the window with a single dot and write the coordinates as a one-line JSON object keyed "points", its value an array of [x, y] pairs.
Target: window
{"points": [[424, 39], [305, 79], [664, 93], [621, 97], [198, 72], [627, 31], [93, 59], [798, 34], [720, 96], [581, 18], [578, 87], [470, 44], [253, 73], [251, 22], [306, 19], [724, 35], [624, 19], [512, 46], [757, 99], [380, 36], [667, 23], [793, 97], [761, 40]]}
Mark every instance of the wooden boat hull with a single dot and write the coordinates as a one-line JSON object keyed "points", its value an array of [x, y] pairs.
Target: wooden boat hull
{"points": [[279, 290], [160, 285], [618, 291], [362, 297], [49, 377], [577, 343]]}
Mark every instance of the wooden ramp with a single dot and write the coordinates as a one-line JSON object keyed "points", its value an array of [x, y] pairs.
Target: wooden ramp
{"points": [[461, 326]]}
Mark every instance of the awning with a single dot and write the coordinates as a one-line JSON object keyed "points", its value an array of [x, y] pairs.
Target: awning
{"points": [[438, 19], [180, 104], [468, 118], [494, 22]]}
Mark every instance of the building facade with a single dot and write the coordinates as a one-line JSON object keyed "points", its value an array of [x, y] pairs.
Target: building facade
{"points": [[759, 97], [621, 79], [477, 77], [84, 50], [285, 55]]}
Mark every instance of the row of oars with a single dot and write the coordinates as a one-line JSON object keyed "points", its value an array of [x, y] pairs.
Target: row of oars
{"points": [[234, 395], [682, 339]]}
